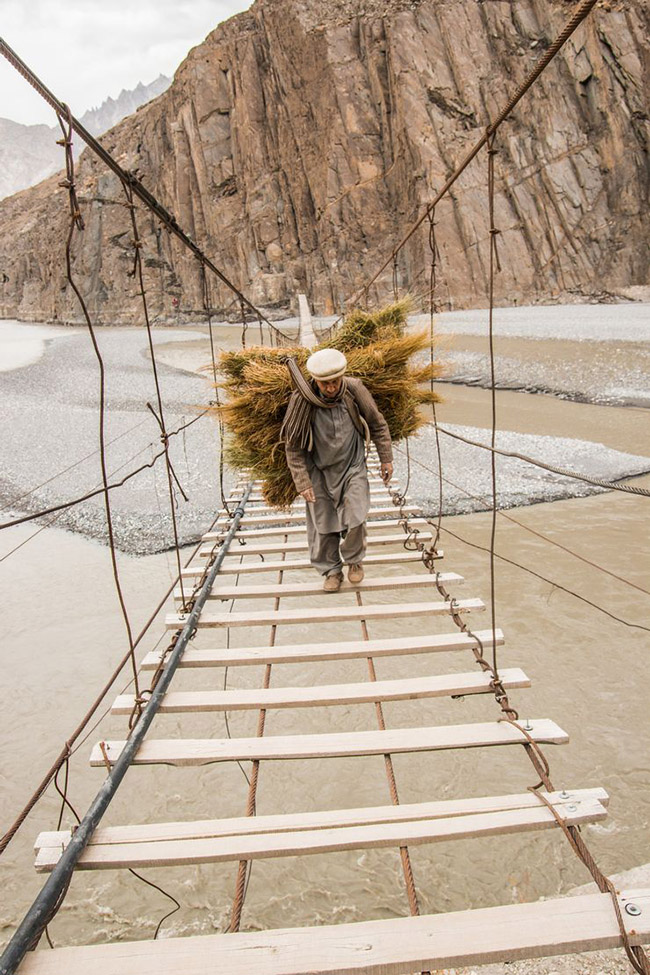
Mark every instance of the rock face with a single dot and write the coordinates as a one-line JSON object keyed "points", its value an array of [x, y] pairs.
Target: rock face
{"points": [[29, 153], [301, 139]]}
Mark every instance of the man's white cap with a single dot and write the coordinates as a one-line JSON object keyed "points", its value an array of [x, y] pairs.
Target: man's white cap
{"points": [[327, 364]]}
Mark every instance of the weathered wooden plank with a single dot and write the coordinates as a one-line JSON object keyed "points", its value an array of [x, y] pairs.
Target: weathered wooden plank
{"points": [[204, 751], [297, 653], [329, 695], [333, 614], [315, 587], [287, 517], [308, 842], [214, 536], [320, 819], [397, 538], [396, 946], [258, 504], [383, 558]]}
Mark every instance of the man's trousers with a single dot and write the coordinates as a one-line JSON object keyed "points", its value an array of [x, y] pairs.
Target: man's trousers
{"points": [[329, 552]]}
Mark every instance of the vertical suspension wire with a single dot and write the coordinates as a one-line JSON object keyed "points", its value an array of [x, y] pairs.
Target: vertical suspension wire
{"points": [[396, 276], [138, 272], [242, 308], [205, 291], [76, 223], [494, 267], [433, 281]]}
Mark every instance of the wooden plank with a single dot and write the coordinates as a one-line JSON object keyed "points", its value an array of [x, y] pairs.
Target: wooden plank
{"points": [[372, 478], [329, 695], [320, 819], [258, 499], [330, 614], [204, 751], [257, 484], [214, 536], [315, 587], [384, 558], [308, 842], [283, 654], [287, 517], [396, 946], [396, 538]]}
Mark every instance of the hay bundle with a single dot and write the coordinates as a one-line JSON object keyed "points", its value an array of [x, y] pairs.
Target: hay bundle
{"points": [[258, 387]]}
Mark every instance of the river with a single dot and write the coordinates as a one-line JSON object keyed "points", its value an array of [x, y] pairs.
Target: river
{"points": [[63, 635]]}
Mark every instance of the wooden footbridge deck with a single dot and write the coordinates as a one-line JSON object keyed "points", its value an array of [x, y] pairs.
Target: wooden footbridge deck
{"points": [[275, 553]]}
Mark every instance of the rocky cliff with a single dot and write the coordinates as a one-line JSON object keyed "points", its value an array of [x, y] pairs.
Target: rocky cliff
{"points": [[300, 139]]}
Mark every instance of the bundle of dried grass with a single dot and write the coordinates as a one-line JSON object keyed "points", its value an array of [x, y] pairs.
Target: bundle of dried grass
{"points": [[257, 389]]}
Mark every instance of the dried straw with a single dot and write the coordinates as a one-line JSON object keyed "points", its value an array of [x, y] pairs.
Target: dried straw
{"points": [[257, 389]]}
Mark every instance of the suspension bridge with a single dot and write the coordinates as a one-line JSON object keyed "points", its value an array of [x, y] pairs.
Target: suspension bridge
{"points": [[248, 577]]}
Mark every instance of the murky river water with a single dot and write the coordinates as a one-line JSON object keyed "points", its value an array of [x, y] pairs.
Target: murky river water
{"points": [[62, 636], [588, 673]]}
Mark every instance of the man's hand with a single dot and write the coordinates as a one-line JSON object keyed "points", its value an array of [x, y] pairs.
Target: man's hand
{"points": [[308, 495], [386, 472]]}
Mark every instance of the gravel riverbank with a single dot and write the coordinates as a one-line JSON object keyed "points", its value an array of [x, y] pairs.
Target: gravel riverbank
{"points": [[50, 408]]}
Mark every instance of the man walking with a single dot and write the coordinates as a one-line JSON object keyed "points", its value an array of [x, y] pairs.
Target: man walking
{"points": [[328, 424]]}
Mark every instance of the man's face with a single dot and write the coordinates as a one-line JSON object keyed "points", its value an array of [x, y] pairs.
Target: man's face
{"points": [[329, 388]]}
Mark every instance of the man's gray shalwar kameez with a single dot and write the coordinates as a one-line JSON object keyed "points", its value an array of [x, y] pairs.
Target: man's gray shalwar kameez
{"points": [[337, 470], [334, 465]]}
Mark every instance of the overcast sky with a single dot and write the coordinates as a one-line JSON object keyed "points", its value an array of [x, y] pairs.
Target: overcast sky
{"points": [[86, 50]]}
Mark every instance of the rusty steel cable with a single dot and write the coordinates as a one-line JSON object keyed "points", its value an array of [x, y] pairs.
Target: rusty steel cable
{"points": [[129, 179], [67, 750], [76, 224], [563, 471], [635, 953], [66, 470], [205, 293], [405, 857], [226, 720], [433, 281], [533, 750], [108, 487], [159, 415], [531, 531], [493, 268]]}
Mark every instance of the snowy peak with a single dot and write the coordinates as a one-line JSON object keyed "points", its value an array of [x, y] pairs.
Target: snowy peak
{"points": [[29, 153]]}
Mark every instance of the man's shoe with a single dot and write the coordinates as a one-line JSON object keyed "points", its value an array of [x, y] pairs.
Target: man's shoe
{"points": [[355, 574], [333, 583]]}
